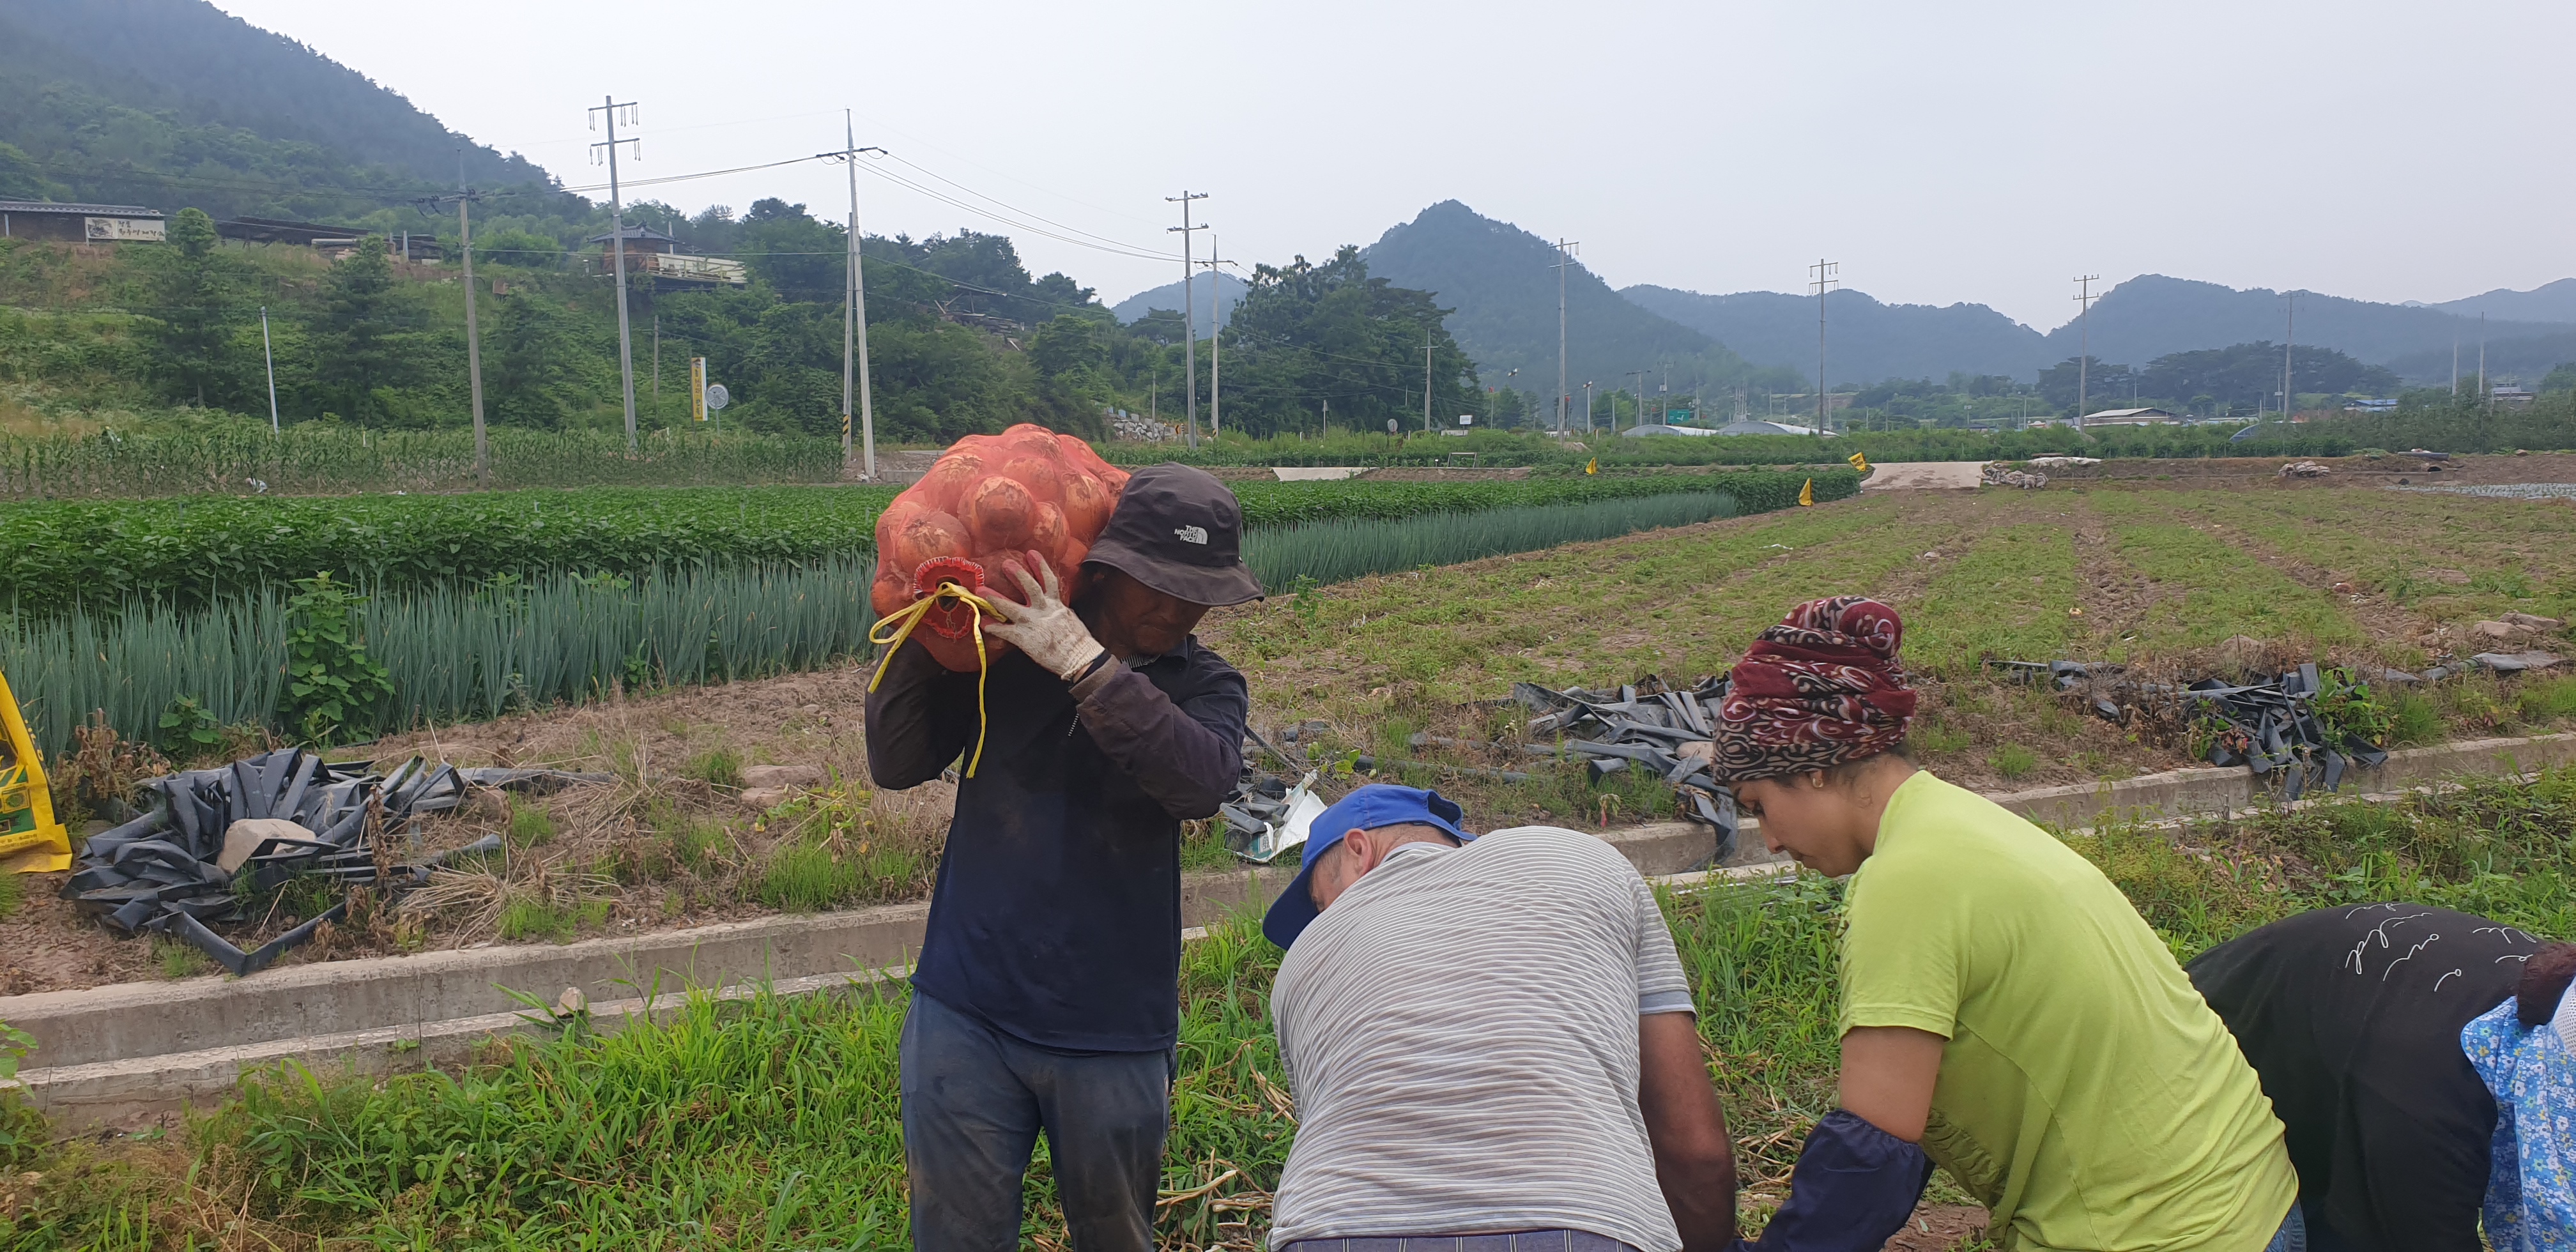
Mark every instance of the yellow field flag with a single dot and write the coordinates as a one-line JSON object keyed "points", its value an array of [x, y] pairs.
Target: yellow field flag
{"points": [[1858, 462], [1592, 466], [1807, 493]]}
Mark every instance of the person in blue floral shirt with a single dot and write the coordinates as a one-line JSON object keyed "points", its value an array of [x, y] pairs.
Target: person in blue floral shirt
{"points": [[2525, 1050]]}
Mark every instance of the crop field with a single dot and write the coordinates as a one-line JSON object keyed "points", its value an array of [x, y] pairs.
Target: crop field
{"points": [[2155, 578], [790, 1139], [482, 603], [772, 1124]]}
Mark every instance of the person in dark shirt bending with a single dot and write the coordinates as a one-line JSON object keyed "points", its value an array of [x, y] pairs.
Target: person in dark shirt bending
{"points": [[1047, 995], [2353, 1015]]}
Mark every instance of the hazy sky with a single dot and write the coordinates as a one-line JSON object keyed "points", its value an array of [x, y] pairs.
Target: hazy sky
{"points": [[1983, 151]]}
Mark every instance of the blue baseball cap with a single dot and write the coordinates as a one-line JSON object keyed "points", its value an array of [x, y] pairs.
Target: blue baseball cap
{"points": [[1372, 806]]}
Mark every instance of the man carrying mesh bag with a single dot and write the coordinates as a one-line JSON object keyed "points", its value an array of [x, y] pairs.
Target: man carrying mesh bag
{"points": [[1046, 996]]}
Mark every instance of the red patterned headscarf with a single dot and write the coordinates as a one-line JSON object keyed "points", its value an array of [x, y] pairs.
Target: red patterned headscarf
{"points": [[1821, 688]]}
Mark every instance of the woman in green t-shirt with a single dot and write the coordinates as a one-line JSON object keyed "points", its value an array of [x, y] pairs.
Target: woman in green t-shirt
{"points": [[2005, 1011]]}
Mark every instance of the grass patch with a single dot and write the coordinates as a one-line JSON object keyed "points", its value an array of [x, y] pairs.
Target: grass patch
{"points": [[530, 826], [775, 1123], [2014, 761], [716, 767]]}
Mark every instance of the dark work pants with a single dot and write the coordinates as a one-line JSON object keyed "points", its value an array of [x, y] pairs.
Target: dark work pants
{"points": [[974, 1100]]}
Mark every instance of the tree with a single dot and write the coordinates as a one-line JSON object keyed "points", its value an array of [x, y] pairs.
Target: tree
{"points": [[2059, 384], [800, 258], [1305, 333], [363, 332], [531, 345], [2249, 374], [192, 291]]}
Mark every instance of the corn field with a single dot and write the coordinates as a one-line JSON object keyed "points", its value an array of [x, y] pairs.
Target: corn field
{"points": [[315, 459], [455, 654]]}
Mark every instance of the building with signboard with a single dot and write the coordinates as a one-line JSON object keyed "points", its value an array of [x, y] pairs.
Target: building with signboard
{"points": [[652, 254], [81, 223]]}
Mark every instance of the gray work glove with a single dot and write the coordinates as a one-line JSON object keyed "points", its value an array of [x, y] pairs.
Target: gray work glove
{"points": [[1044, 626]]}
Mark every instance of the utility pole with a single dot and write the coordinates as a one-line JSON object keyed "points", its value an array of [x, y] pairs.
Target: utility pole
{"points": [[2455, 365], [854, 317], [1824, 271], [473, 337], [269, 355], [1189, 308], [1566, 251], [2289, 343], [2486, 398], [474, 340], [1587, 406], [1664, 393], [617, 247], [1216, 333], [2084, 299], [1426, 386], [1640, 376]]}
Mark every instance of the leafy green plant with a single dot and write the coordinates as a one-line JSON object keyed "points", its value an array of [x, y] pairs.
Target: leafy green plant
{"points": [[188, 731], [2346, 710], [332, 685]]}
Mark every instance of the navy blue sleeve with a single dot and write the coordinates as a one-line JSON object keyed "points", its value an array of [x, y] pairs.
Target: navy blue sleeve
{"points": [[1852, 1190], [1186, 755]]}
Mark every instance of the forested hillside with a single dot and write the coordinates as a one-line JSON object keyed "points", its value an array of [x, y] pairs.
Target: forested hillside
{"points": [[173, 102]]}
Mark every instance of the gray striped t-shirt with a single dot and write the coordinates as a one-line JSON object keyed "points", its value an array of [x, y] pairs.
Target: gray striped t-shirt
{"points": [[1461, 1031]]}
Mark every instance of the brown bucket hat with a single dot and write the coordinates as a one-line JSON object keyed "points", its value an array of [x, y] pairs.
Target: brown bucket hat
{"points": [[1179, 531]]}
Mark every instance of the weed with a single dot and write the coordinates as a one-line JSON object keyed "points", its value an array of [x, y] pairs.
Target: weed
{"points": [[2013, 760], [716, 767], [1934, 737], [13, 896], [178, 960], [331, 683], [188, 731], [2511, 583], [2346, 711], [840, 849], [2547, 700], [101, 769], [2413, 721], [530, 826]]}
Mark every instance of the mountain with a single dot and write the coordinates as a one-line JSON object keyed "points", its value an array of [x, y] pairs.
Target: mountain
{"points": [[1230, 291], [2549, 302], [1867, 342], [2151, 315], [174, 102], [1503, 283]]}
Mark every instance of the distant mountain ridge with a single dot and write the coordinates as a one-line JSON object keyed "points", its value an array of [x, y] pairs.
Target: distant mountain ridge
{"points": [[1866, 341], [1230, 291], [1502, 281]]}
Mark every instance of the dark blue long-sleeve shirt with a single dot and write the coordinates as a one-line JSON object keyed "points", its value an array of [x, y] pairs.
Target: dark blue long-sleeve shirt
{"points": [[1056, 917]]}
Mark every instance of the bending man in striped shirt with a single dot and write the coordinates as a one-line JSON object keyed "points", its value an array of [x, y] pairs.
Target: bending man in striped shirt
{"points": [[1487, 1037]]}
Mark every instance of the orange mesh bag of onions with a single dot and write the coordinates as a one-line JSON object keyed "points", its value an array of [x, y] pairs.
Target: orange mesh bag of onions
{"points": [[989, 499]]}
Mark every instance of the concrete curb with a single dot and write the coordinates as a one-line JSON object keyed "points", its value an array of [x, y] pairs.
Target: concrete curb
{"points": [[130, 1053], [2213, 791]]}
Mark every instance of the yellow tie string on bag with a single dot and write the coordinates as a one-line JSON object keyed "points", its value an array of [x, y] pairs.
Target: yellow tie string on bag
{"points": [[910, 616]]}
